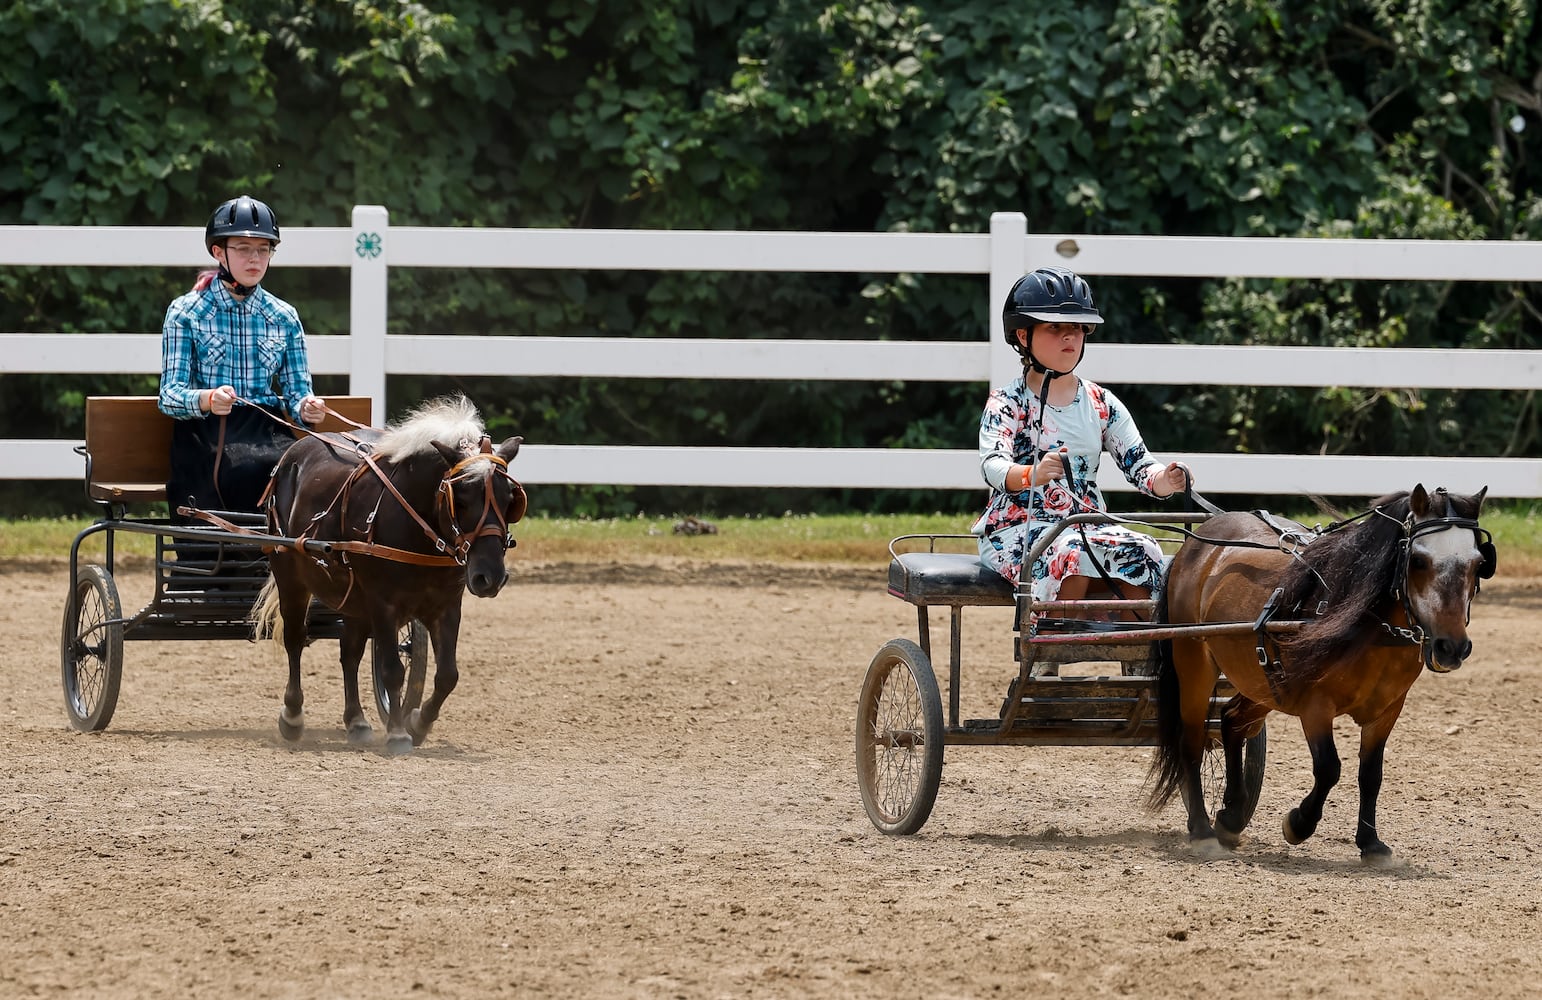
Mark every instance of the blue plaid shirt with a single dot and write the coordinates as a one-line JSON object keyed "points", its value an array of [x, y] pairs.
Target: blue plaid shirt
{"points": [[211, 338]]}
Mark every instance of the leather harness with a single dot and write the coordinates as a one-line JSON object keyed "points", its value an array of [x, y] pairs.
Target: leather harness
{"points": [[491, 522]]}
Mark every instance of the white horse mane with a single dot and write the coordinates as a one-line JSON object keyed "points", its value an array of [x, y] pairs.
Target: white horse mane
{"points": [[450, 420]]}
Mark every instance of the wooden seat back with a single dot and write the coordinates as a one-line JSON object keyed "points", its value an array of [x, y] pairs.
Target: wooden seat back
{"points": [[128, 444]]}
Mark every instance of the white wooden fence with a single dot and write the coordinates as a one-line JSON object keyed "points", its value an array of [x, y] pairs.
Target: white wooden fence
{"points": [[368, 354]]}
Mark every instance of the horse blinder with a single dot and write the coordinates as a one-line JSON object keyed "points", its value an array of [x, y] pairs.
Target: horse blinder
{"points": [[1488, 560]]}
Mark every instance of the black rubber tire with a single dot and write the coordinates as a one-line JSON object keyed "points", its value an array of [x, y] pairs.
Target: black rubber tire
{"points": [[91, 653], [412, 642], [1212, 774], [899, 738]]}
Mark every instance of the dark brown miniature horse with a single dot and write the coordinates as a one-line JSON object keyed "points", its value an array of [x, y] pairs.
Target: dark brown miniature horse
{"points": [[1379, 598], [419, 515]]}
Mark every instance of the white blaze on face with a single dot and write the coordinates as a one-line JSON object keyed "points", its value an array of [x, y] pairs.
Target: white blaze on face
{"points": [[1447, 553]]}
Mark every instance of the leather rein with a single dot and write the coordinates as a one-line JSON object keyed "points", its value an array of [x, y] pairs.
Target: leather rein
{"points": [[492, 522]]}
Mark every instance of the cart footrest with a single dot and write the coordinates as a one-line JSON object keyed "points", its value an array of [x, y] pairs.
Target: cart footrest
{"points": [[1119, 705]]}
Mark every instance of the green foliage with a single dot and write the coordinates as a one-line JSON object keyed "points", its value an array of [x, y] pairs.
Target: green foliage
{"points": [[1213, 117]]}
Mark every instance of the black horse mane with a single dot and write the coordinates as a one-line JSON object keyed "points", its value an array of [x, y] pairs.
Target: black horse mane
{"points": [[1356, 564]]}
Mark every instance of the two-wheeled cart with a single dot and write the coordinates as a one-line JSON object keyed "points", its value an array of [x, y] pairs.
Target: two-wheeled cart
{"points": [[901, 728], [206, 578]]}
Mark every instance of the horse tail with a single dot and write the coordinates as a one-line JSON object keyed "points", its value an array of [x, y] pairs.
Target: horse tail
{"points": [[266, 621], [1166, 775]]}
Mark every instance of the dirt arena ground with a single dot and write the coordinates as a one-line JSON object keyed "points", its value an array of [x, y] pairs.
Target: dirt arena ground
{"points": [[644, 787]]}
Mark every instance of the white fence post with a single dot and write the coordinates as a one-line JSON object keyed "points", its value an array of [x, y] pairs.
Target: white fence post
{"points": [[367, 307], [1009, 233]]}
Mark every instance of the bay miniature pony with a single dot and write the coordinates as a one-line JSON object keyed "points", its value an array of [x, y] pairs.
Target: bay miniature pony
{"points": [[1378, 598], [419, 514]]}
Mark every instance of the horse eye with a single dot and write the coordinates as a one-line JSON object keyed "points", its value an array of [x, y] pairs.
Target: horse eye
{"points": [[1418, 562]]}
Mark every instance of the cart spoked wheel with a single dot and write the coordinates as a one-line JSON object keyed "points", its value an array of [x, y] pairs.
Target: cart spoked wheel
{"points": [[899, 738], [1212, 775], [91, 650], [412, 644]]}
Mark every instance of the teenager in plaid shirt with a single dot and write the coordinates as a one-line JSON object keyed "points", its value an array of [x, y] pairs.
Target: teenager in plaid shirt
{"points": [[225, 344]]}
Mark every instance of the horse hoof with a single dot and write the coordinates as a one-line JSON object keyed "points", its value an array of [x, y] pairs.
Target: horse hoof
{"points": [[1379, 855], [398, 745], [1292, 828], [1228, 839], [291, 730], [1208, 849], [360, 732], [416, 728]]}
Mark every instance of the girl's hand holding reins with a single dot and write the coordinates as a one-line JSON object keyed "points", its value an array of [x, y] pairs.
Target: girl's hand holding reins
{"points": [[1176, 477], [221, 400], [312, 410], [1054, 465], [1051, 467]]}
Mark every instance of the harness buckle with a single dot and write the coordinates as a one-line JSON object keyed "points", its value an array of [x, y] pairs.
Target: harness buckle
{"points": [[1292, 542]]}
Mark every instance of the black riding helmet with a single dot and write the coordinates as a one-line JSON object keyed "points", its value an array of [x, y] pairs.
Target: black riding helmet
{"points": [[243, 216], [1047, 295]]}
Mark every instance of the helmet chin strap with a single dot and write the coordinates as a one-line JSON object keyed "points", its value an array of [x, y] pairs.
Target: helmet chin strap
{"points": [[230, 279], [1031, 361]]}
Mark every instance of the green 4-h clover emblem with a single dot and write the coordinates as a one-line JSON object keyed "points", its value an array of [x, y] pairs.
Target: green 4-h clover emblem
{"points": [[369, 245]]}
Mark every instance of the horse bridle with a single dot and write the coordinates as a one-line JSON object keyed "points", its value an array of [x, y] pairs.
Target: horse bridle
{"points": [[456, 552], [492, 522], [1415, 632]]}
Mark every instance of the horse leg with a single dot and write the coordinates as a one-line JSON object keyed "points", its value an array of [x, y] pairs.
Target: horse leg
{"points": [[1196, 674], [294, 601], [443, 633], [1239, 723], [1301, 822], [390, 672], [350, 650], [1373, 746]]}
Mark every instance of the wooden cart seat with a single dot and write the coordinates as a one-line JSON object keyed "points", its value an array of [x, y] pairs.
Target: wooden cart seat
{"points": [[947, 578], [128, 444]]}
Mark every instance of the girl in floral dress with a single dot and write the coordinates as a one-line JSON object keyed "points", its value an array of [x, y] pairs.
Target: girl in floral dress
{"points": [[1042, 438]]}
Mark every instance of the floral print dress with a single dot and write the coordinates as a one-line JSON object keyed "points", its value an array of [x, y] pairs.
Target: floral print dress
{"points": [[1091, 424]]}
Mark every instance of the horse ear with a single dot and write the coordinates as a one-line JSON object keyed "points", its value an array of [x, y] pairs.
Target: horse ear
{"points": [[451, 455], [1419, 502], [1477, 499], [509, 448]]}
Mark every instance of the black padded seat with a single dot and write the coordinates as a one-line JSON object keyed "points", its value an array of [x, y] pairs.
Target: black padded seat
{"points": [[947, 578]]}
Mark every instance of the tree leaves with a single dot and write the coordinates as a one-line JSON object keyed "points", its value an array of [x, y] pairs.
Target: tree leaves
{"points": [[1209, 117]]}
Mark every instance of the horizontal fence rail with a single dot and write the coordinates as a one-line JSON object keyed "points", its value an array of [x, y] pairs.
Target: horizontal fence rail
{"points": [[368, 354]]}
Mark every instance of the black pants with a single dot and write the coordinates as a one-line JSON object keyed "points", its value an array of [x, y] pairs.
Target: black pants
{"points": [[253, 443]]}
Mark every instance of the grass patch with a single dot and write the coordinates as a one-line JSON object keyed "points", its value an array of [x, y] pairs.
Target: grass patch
{"points": [[795, 538], [847, 538]]}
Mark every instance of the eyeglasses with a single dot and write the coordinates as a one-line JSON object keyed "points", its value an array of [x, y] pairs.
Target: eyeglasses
{"points": [[259, 252]]}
